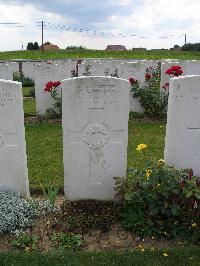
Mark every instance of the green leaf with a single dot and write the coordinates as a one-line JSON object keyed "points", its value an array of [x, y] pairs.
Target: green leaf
{"points": [[174, 210], [189, 194], [197, 195], [128, 195]]}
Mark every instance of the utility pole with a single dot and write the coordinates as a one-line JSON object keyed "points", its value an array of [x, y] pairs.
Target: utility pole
{"points": [[185, 38], [42, 36]]}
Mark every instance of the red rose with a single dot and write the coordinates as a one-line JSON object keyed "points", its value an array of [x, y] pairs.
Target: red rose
{"points": [[166, 86], [49, 86], [56, 84], [147, 76], [174, 70], [133, 81]]}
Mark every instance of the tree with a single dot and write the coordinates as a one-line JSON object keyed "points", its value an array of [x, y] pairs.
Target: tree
{"points": [[30, 46], [47, 43], [36, 46], [191, 47]]}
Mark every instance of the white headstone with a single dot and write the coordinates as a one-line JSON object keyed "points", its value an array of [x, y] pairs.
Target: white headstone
{"points": [[193, 67], [13, 160], [182, 144], [28, 69], [95, 133], [7, 70], [45, 72]]}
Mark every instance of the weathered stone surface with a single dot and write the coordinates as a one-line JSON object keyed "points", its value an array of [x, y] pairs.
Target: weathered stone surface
{"points": [[7, 70], [182, 144], [45, 72], [95, 133], [13, 160]]}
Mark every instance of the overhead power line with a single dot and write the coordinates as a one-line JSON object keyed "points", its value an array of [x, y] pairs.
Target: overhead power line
{"points": [[58, 27]]}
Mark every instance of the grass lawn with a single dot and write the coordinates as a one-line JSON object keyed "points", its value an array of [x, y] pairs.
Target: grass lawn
{"points": [[177, 256], [44, 150], [64, 54], [29, 106], [27, 91]]}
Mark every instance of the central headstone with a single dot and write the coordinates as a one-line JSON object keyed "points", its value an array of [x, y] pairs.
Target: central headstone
{"points": [[95, 132], [13, 160]]}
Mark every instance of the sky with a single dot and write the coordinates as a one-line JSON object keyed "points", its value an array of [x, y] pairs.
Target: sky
{"points": [[152, 23]]}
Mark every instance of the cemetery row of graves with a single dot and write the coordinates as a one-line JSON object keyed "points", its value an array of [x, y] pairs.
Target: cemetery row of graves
{"points": [[122, 190]]}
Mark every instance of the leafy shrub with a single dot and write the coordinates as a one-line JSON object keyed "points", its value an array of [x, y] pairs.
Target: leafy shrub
{"points": [[26, 81], [15, 212], [160, 200], [25, 242], [151, 98], [136, 115]]}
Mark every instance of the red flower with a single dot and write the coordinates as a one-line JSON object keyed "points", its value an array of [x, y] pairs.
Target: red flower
{"points": [[147, 76], [133, 81], [51, 85], [175, 71], [166, 86], [190, 174], [56, 84]]}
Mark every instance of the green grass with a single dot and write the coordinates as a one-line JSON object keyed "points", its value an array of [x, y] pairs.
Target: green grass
{"points": [[44, 149], [61, 54], [29, 106], [177, 256], [27, 91]]}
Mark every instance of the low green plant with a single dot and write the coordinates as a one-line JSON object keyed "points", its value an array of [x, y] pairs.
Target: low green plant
{"points": [[151, 98], [66, 242], [26, 81], [136, 115], [25, 242], [51, 195], [160, 200], [16, 212]]}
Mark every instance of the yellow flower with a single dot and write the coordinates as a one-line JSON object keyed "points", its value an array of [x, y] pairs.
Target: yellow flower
{"points": [[194, 225], [161, 162], [165, 255], [148, 174], [142, 249], [141, 147], [140, 246]]}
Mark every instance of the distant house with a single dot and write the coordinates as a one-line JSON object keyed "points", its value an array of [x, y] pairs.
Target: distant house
{"points": [[115, 48], [49, 47], [176, 48]]}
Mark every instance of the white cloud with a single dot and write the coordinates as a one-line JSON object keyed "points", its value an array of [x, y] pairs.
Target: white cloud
{"points": [[151, 18]]}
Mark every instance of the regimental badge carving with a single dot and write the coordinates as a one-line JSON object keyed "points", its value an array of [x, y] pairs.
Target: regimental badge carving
{"points": [[95, 136]]}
